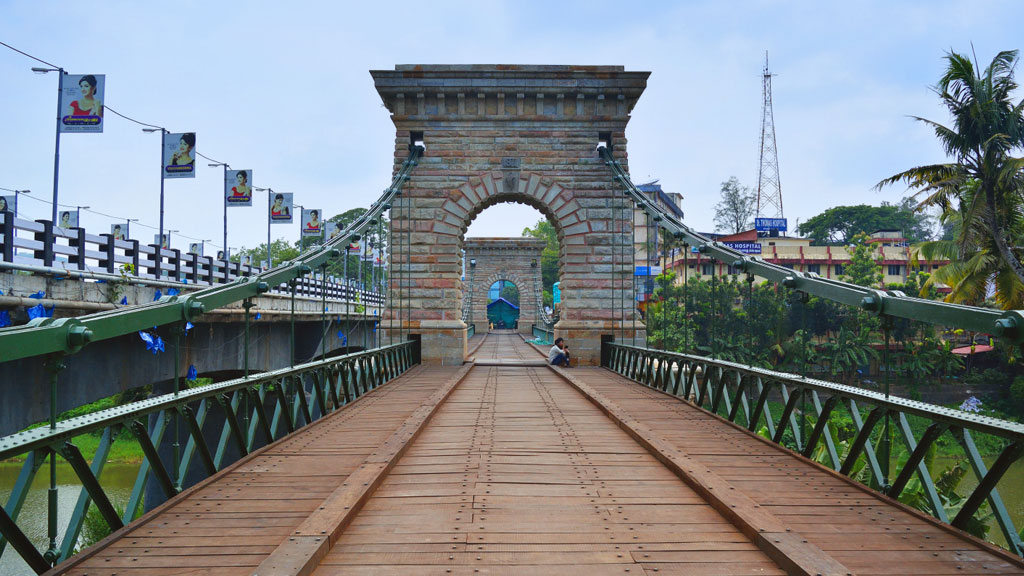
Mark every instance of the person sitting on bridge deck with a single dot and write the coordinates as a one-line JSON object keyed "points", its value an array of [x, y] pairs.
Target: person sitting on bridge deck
{"points": [[559, 353]]}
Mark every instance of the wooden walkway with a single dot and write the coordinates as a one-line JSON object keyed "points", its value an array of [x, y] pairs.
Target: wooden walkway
{"points": [[523, 470]]}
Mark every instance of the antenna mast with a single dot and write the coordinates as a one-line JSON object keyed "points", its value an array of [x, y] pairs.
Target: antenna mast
{"points": [[769, 188]]}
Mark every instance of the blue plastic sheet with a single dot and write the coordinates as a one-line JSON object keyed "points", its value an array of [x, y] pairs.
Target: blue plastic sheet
{"points": [[157, 296], [192, 372], [154, 343], [5, 319]]}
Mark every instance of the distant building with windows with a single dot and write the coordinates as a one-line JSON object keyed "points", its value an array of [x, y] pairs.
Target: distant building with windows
{"points": [[647, 249], [798, 254]]}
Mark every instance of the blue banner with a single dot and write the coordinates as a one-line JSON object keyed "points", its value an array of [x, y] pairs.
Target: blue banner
{"points": [[770, 224], [745, 247]]}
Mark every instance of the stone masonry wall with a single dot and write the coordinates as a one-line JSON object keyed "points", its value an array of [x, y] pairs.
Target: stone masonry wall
{"points": [[516, 260], [526, 134]]}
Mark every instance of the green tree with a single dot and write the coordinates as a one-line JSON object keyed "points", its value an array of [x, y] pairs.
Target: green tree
{"points": [[863, 269], [734, 213], [375, 237], [984, 183], [281, 251], [838, 225], [511, 293], [548, 258]]}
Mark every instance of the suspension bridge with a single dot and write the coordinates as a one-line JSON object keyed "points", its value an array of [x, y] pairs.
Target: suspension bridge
{"points": [[442, 450]]}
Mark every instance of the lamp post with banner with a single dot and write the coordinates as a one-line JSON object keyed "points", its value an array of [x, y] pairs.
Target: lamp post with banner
{"points": [[279, 211], [226, 167], [163, 132]]}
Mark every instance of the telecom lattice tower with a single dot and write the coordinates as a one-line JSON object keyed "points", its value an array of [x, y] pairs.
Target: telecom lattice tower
{"points": [[769, 188]]}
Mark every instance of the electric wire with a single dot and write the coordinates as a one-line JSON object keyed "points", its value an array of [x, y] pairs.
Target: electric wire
{"points": [[40, 60]]}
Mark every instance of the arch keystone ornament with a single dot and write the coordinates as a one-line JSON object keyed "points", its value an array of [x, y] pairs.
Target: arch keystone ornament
{"points": [[508, 133]]}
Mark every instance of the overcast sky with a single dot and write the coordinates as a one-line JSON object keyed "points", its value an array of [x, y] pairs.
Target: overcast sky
{"points": [[283, 89]]}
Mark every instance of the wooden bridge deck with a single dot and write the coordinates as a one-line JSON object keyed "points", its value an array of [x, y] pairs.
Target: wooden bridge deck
{"points": [[531, 470]]}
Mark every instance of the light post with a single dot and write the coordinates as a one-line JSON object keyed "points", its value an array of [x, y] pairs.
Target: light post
{"points": [[226, 167], [79, 209], [16, 194], [270, 202], [56, 149], [163, 132]]}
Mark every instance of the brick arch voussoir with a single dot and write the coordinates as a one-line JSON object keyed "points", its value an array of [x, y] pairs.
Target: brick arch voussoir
{"points": [[465, 203]]}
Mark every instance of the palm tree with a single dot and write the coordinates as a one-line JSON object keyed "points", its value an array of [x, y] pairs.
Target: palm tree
{"points": [[975, 263], [985, 184]]}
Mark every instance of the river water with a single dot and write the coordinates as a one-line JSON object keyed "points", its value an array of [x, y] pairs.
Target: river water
{"points": [[117, 480]]}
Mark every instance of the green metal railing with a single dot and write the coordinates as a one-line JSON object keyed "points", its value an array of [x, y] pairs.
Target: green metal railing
{"points": [[296, 397], [334, 383], [1008, 325], [544, 333], [806, 423]]}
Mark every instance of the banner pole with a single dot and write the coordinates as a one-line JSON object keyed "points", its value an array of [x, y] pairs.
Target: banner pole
{"points": [[56, 148]]}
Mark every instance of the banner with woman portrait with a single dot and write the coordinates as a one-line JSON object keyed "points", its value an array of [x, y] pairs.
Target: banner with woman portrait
{"points": [[119, 231], [166, 241], [281, 208], [9, 204], [67, 219], [312, 225], [196, 248], [180, 155], [238, 187], [81, 102]]}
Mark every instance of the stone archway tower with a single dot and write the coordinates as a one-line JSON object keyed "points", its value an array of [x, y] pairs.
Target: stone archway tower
{"points": [[510, 133], [515, 260]]}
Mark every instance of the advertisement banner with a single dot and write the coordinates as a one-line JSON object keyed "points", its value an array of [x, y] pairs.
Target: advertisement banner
{"points": [[312, 225], [180, 155], [281, 208], [332, 229], [81, 102], [355, 248], [745, 247], [238, 187], [196, 248], [119, 231], [9, 204], [166, 243], [68, 219]]}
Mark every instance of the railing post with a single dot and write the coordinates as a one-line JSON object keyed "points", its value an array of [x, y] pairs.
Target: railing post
{"points": [[133, 252], [46, 237], [7, 237], [177, 263], [109, 263], [78, 242]]}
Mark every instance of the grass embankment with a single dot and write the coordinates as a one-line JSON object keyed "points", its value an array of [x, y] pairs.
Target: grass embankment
{"points": [[125, 449]]}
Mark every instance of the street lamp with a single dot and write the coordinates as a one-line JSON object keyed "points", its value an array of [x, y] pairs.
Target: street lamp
{"points": [[226, 166], [163, 132], [56, 148]]}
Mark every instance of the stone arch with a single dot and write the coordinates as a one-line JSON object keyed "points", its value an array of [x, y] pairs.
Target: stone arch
{"points": [[524, 134], [528, 313]]}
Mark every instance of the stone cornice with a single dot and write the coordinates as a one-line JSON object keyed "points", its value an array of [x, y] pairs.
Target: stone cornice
{"points": [[510, 92]]}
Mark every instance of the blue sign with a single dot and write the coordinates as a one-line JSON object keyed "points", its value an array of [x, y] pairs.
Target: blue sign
{"points": [[557, 292], [745, 247], [647, 271], [769, 224]]}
